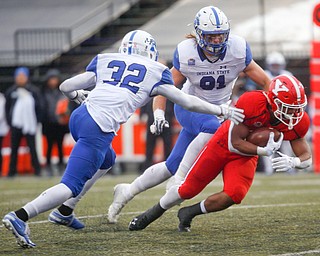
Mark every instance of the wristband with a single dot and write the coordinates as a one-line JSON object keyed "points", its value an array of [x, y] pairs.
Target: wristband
{"points": [[261, 151]]}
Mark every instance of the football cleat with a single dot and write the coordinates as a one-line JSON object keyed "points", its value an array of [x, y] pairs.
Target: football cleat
{"points": [[121, 197], [70, 221], [19, 228], [143, 220], [185, 220]]}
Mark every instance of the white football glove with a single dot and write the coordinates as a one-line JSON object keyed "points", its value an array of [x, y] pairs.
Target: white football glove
{"points": [[271, 146], [80, 97], [231, 113], [284, 162], [159, 122]]}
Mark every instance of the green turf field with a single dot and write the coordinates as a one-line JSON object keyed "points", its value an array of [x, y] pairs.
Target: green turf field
{"points": [[279, 216]]}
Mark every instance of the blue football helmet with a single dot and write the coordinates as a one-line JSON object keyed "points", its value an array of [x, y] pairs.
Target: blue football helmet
{"points": [[211, 22], [141, 43]]}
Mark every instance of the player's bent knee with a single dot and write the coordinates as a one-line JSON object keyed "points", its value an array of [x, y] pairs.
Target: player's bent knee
{"points": [[74, 185], [237, 194]]}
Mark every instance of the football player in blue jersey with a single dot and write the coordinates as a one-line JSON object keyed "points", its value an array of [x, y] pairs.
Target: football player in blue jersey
{"points": [[123, 82], [209, 62]]}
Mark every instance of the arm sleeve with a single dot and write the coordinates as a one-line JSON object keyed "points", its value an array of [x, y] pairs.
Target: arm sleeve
{"points": [[93, 65], [176, 62], [81, 81], [165, 79], [248, 54], [188, 102]]}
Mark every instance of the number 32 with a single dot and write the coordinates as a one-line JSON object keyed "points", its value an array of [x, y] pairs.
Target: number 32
{"points": [[119, 80]]}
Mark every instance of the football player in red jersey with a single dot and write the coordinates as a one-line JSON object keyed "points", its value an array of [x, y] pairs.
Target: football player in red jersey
{"points": [[281, 108]]}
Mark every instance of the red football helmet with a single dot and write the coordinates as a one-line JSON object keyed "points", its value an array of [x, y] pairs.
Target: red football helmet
{"points": [[288, 99]]}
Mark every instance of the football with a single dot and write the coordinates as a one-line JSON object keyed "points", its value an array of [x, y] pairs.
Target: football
{"points": [[260, 136]]}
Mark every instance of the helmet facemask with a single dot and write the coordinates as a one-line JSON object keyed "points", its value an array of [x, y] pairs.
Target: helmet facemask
{"points": [[289, 114], [215, 49]]}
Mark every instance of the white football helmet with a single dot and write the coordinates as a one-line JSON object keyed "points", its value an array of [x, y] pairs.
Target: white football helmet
{"points": [[139, 42], [211, 20]]}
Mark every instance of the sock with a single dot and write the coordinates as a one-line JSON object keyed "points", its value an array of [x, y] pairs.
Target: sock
{"points": [[65, 210], [49, 199], [72, 202], [171, 198], [195, 209], [203, 208], [22, 214], [155, 212], [151, 177]]}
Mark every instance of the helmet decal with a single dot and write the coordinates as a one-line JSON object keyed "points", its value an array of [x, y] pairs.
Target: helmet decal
{"points": [[279, 87], [139, 42]]}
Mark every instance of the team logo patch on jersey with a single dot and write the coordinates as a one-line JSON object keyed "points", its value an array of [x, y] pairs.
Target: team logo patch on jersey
{"points": [[191, 62]]}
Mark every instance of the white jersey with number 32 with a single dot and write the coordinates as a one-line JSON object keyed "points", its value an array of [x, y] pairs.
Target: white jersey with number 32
{"points": [[123, 84]]}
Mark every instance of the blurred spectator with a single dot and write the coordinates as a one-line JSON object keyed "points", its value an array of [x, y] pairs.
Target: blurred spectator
{"points": [[55, 118], [276, 65], [23, 108], [4, 128], [146, 112]]}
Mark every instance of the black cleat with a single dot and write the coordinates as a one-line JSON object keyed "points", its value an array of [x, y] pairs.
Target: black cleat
{"points": [[185, 219], [143, 220]]}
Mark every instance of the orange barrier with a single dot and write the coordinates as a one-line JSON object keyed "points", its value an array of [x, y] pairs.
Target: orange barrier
{"points": [[23, 161]]}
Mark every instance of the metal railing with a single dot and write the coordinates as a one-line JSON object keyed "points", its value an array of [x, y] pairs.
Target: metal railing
{"points": [[34, 46], [37, 46]]}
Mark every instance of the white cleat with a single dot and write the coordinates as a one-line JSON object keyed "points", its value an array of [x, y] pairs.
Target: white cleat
{"points": [[121, 197]]}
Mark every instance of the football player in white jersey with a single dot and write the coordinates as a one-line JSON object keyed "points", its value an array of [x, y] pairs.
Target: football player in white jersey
{"points": [[210, 61], [123, 82]]}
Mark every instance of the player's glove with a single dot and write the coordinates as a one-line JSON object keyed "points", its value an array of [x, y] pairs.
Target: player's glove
{"points": [[159, 122], [80, 97], [271, 146], [284, 162], [231, 113]]}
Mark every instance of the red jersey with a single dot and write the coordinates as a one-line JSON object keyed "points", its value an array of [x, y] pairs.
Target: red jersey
{"points": [[255, 105]]}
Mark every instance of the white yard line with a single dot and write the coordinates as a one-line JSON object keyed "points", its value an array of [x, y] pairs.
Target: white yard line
{"points": [[297, 253], [238, 207]]}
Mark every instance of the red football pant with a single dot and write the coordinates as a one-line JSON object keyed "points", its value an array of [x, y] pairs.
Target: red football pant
{"points": [[238, 172]]}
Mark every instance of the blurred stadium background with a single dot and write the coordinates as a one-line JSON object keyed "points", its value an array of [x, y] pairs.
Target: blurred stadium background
{"points": [[67, 34]]}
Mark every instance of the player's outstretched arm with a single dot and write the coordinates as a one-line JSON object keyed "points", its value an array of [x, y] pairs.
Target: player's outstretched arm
{"points": [[73, 87], [195, 104]]}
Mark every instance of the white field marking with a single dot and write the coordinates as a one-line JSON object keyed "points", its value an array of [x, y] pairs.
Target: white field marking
{"points": [[297, 253], [238, 207]]}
